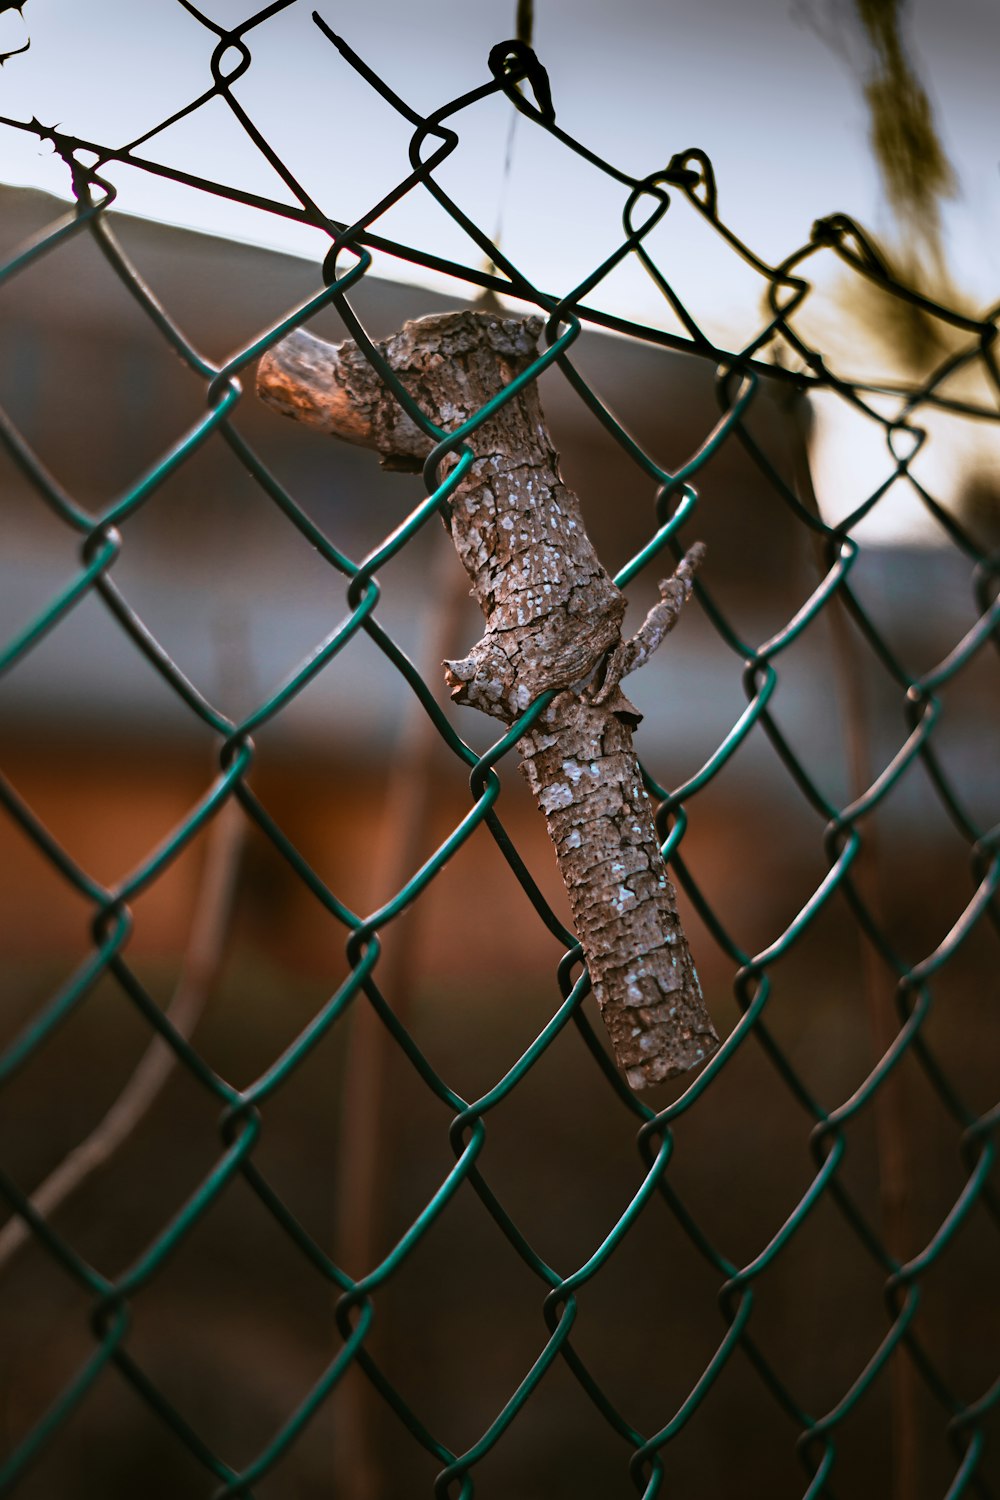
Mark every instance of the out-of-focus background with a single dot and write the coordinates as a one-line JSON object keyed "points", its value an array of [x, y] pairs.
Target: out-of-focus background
{"points": [[234, 1328]]}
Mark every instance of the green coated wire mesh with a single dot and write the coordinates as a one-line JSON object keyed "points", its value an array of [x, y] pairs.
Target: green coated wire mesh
{"points": [[695, 1218]]}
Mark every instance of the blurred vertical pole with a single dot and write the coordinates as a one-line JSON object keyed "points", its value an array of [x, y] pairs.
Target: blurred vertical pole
{"points": [[917, 175], [363, 1171], [889, 1103]]}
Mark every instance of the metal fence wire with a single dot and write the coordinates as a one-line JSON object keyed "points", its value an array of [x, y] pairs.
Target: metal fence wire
{"points": [[900, 1337]]}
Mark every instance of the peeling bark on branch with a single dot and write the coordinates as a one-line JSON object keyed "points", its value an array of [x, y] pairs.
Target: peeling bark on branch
{"points": [[553, 622]]}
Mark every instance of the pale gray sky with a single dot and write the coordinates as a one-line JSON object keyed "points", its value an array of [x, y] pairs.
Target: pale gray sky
{"points": [[776, 108]]}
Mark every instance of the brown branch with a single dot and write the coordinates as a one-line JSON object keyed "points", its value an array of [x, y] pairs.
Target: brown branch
{"points": [[553, 623], [202, 961]]}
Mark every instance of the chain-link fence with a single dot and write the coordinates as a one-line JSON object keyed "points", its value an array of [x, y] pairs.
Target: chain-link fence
{"points": [[838, 1147]]}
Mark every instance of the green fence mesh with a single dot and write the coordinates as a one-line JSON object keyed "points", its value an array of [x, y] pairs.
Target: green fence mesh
{"points": [[901, 1338]]}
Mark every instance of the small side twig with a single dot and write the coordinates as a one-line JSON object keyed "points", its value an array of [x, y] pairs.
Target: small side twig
{"points": [[675, 592]]}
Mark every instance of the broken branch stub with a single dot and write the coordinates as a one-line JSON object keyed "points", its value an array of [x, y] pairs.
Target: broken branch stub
{"points": [[553, 622]]}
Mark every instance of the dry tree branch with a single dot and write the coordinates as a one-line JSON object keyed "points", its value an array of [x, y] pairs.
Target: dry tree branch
{"points": [[554, 620]]}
